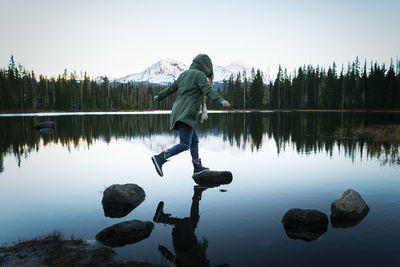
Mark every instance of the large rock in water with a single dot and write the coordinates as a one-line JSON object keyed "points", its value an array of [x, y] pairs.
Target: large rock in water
{"points": [[305, 224], [213, 178], [348, 210], [125, 233], [44, 125], [119, 200]]}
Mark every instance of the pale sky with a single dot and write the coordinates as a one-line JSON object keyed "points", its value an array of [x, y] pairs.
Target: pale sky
{"points": [[117, 38]]}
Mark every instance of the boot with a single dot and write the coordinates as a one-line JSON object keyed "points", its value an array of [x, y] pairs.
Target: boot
{"points": [[158, 161], [198, 168], [160, 216]]}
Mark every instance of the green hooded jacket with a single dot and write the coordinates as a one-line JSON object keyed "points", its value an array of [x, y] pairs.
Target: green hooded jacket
{"points": [[191, 85]]}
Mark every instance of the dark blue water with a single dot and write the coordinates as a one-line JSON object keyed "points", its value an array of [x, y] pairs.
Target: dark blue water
{"points": [[279, 161]]}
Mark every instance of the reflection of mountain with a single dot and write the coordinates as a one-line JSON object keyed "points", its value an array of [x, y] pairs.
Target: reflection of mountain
{"points": [[305, 132]]}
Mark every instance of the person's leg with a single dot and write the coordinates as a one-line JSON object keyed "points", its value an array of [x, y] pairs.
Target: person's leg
{"points": [[194, 151], [194, 147], [185, 140], [185, 137]]}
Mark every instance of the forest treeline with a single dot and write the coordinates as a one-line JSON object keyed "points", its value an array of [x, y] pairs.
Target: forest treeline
{"points": [[371, 86], [24, 90], [303, 132], [309, 87]]}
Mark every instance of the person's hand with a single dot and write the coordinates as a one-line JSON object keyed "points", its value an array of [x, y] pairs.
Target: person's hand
{"points": [[225, 104], [156, 98]]}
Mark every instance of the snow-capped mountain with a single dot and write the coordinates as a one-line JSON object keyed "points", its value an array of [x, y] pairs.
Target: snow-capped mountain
{"points": [[100, 79], [167, 70], [162, 72], [221, 73]]}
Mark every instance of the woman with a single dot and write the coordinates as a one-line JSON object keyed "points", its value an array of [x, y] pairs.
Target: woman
{"points": [[192, 85]]}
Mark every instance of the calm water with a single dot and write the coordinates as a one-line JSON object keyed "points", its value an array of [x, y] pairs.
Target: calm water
{"points": [[279, 161]]}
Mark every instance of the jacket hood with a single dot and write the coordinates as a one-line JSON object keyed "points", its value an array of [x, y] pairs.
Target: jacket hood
{"points": [[203, 63]]}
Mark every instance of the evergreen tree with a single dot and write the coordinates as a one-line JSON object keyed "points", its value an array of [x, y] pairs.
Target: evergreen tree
{"points": [[256, 90]]}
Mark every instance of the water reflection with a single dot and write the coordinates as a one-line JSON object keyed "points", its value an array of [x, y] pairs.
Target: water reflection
{"points": [[341, 223], [304, 132], [118, 201], [189, 250], [115, 209]]}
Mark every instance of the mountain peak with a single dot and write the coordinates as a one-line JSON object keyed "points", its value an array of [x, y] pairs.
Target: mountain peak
{"points": [[169, 64], [238, 63], [167, 70]]}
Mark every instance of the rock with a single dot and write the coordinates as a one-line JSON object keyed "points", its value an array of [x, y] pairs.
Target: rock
{"points": [[25, 262], [348, 210], [305, 224], [213, 178], [125, 233], [309, 219], [127, 193], [44, 125], [119, 200]]}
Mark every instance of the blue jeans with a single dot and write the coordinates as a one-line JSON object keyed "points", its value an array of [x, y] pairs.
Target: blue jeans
{"points": [[188, 140]]}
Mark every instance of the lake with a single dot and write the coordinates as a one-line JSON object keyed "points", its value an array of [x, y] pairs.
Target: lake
{"points": [[279, 161]]}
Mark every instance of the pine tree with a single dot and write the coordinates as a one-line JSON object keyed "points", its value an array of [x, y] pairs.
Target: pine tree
{"points": [[256, 90]]}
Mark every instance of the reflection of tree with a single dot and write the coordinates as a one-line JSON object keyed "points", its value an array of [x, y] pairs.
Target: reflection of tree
{"points": [[17, 137], [381, 142], [1, 163], [256, 129], [305, 132]]}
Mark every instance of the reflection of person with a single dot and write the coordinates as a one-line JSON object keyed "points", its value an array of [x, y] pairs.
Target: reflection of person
{"points": [[192, 86], [189, 250]]}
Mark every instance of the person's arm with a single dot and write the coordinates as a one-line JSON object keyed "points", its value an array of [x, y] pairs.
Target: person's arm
{"points": [[167, 91], [208, 90]]}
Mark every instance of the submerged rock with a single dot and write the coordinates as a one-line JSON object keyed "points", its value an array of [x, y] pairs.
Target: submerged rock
{"points": [[348, 210], [305, 224], [119, 200], [44, 125], [213, 178], [125, 233]]}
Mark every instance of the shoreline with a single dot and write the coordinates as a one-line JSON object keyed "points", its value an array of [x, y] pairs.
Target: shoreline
{"points": [[55, 250], [5, 112]]}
